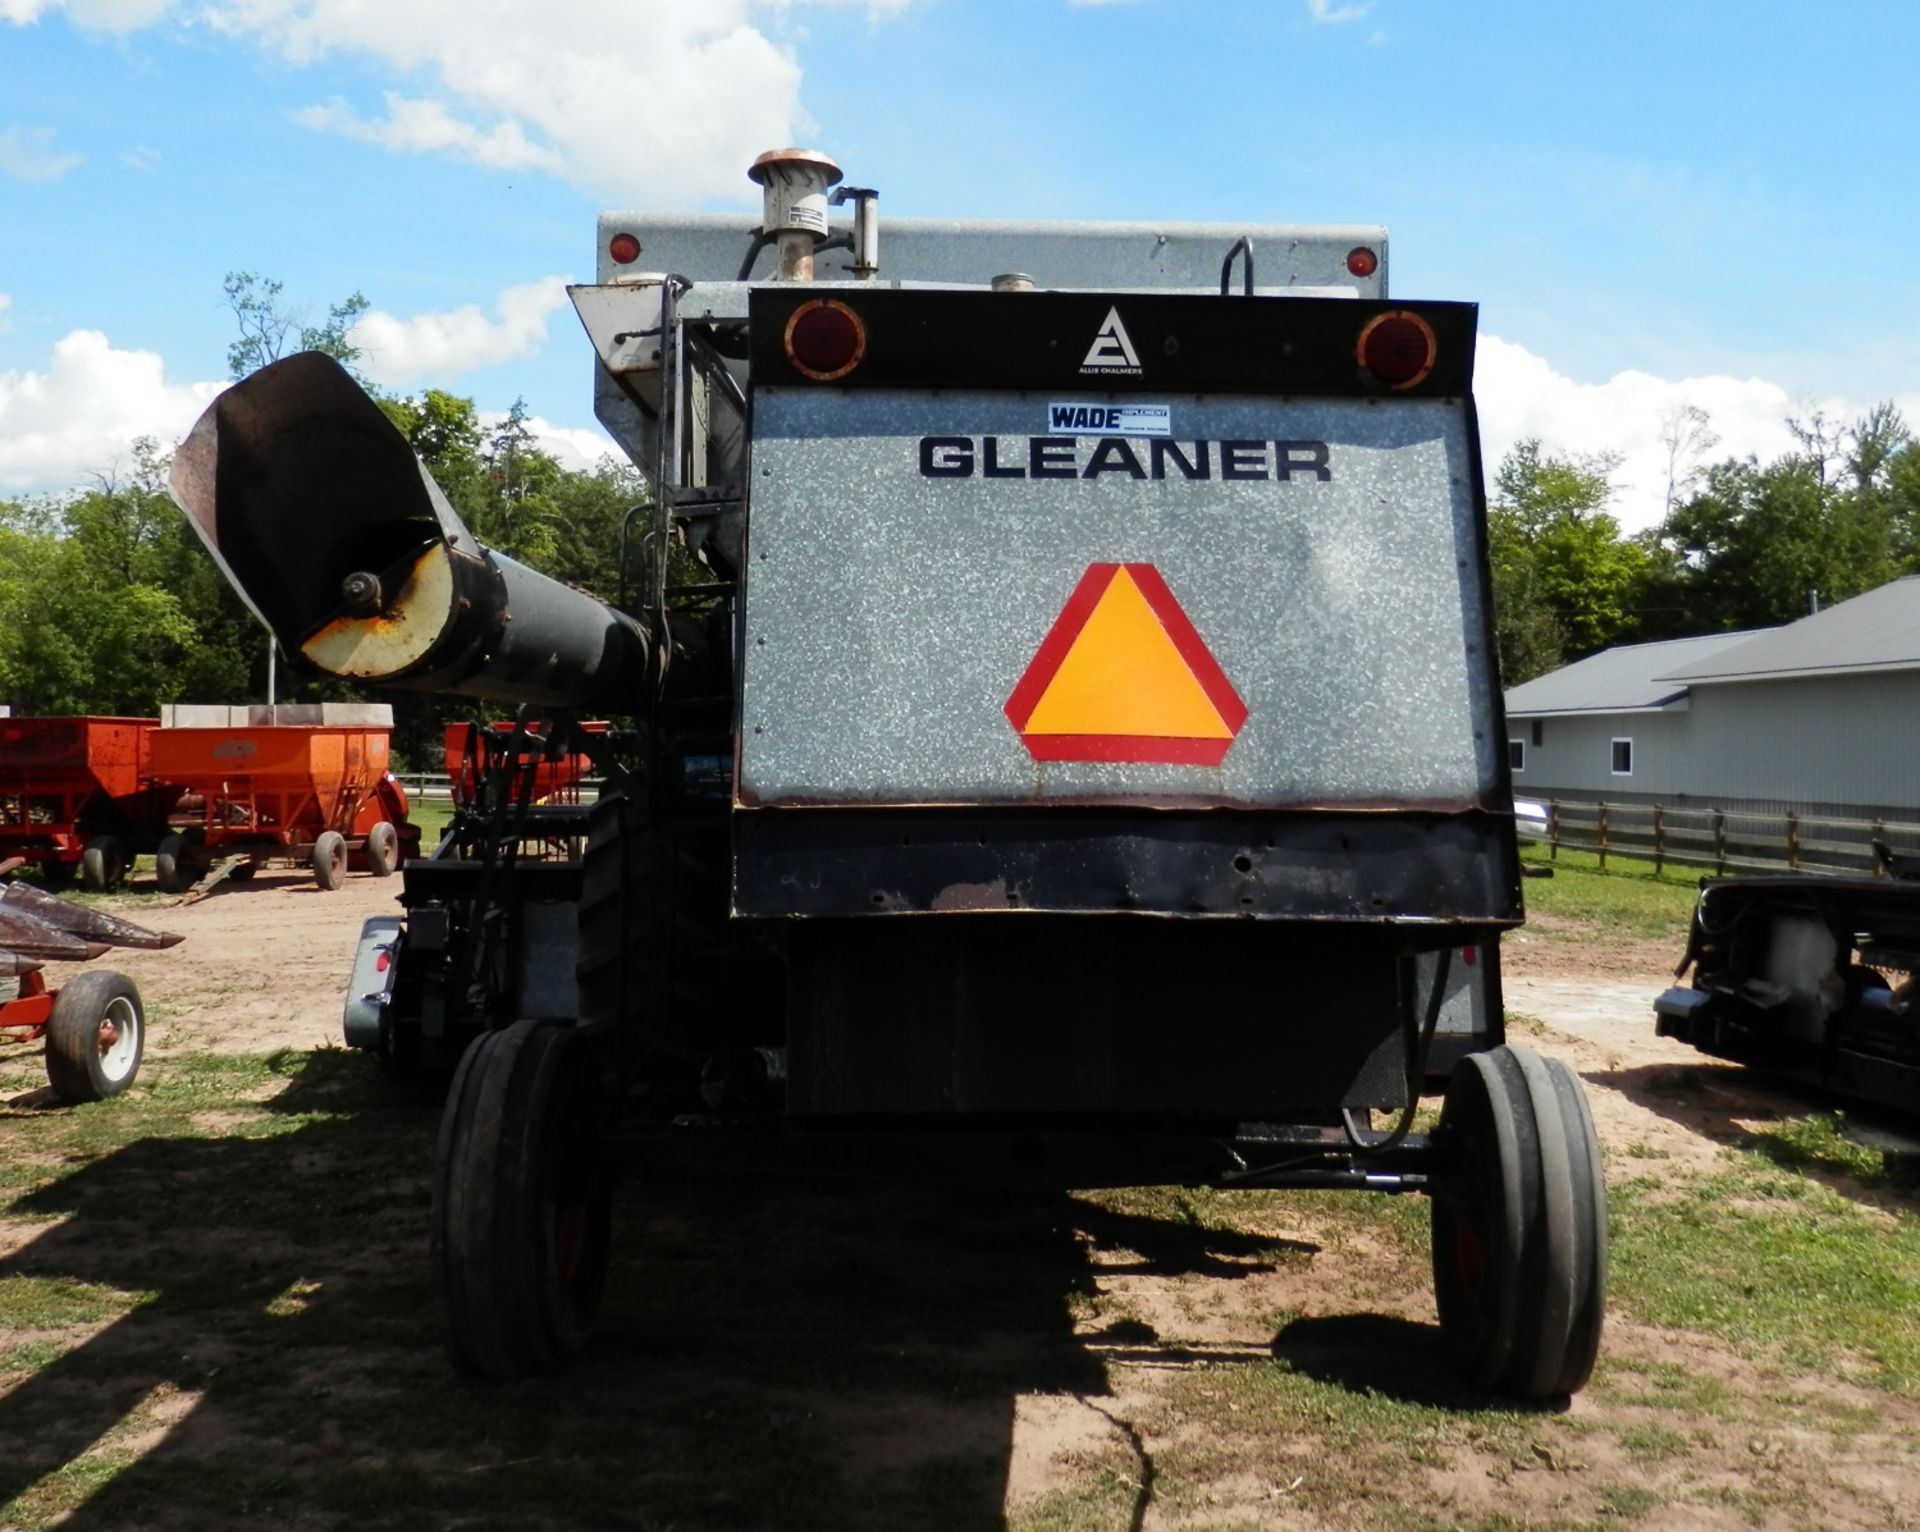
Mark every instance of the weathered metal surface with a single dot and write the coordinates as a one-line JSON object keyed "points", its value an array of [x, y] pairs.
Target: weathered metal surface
{"points": [[1114, 257], [890, 614], [1439, 880], [30, 936], [78, 920], [14, 964], [300, 488]]}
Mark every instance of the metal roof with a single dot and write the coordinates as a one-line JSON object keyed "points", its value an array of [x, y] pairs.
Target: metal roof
{"points": [[1625, 678], [1876, 631]]}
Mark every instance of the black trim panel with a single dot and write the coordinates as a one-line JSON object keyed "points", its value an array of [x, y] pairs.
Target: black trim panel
{"points": [[1179, 343], [1455, 875]]}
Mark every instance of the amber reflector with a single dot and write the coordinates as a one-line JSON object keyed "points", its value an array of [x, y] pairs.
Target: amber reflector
{"points": [[1397, 348], [825, 339]]}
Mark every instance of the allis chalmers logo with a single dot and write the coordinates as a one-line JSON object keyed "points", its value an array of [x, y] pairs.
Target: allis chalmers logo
{"points": [[1112, 350]]}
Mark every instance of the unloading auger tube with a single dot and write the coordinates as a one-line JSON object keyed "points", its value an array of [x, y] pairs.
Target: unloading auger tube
{"points": [[319, 514]]}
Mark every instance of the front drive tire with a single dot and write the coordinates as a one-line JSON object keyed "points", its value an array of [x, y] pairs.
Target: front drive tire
{"points": [[96, 1036]]}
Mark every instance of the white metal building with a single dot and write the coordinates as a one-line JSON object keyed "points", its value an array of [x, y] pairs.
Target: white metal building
{"points": [[1819, 716]]}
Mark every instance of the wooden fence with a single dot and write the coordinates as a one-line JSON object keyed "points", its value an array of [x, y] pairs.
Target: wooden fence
{"points": [[1725, 840]]}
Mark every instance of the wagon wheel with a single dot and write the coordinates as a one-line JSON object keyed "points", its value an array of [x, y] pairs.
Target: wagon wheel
{"points": [[96, 1035], [103, 864], [522, 1203], [330, 859], [173, 865], [383, 849], [1520, 1225]]}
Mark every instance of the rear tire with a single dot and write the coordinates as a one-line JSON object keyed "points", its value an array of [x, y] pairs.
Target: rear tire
{"points": [[172, 865], [330, 860], [1520, 1225], [103, 865], [383, 849], [522, 1203], [96, 1036]]}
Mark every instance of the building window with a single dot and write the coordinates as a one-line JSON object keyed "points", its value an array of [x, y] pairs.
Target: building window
{"points": [[1623, 757], [1516, 755], [1539, 732]]}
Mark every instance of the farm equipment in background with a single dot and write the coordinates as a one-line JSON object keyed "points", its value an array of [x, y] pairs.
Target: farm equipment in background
{"points": [[473, 759], [1791, 974], [76, 796], [305, 783], [93, 1027], [1065, 749]]}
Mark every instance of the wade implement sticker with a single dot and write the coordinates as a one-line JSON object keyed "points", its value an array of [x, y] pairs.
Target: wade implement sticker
{"points": [[1109, 419]]}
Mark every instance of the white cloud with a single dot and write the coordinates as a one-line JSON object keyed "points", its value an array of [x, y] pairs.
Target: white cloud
{"points": [[28, 154], [143, 158], [422, 127], [1327, 13], [1520, 395], [83, 412], [94, 15], [435, 348], [6, 302], [647, 101], [576, 447]]}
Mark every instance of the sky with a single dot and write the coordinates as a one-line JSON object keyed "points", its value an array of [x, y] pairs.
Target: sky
{"points": [[1655, 203]]}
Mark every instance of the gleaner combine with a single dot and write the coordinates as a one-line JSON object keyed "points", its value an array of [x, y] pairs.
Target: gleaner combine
{"points": [[1062, 742]]}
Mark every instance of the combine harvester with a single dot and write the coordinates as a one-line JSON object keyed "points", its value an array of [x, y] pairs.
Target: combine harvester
{"points": [[76, 795], [93, 1027], [305, 783], [1066, 748]]}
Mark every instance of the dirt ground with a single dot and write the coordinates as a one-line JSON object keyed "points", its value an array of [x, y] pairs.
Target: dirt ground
{"points": [[264, 966]]}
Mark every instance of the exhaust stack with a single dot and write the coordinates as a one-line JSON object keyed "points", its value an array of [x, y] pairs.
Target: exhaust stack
{"points": [[794, 184], [321, 517]]}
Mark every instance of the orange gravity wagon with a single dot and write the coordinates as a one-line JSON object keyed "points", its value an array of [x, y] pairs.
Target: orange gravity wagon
{"points": [[77, 795], [306, 783]]}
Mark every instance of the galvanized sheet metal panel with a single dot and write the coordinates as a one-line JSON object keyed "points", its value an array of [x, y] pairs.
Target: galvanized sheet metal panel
{"points": [[889, 615]]}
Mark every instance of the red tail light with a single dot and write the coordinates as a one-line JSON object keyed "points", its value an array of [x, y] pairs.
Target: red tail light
{"points": [[1397, 348], [1362, 262], [624, 248], [825, 339]]}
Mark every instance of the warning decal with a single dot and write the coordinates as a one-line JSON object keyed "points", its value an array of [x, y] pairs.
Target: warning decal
{"points": [[1123, 676]]}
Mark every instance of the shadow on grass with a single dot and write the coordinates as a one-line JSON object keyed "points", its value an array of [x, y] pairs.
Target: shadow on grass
{"points": [[1399, 1359], [1721, 1100], [771, 1355]]}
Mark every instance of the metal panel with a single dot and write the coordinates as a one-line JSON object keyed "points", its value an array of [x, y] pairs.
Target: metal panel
{"points": [[1104, 256], [889, 615]]}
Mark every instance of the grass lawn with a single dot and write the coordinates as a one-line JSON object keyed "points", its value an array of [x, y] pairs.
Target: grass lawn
{"points": [[1627, 899]]}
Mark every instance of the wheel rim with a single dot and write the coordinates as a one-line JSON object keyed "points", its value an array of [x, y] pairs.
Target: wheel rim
{"points": [[119, 1039]]}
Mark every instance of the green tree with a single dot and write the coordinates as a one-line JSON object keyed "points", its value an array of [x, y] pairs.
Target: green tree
{"points": [[1761, 544], [1565, 583], [269, 330]]}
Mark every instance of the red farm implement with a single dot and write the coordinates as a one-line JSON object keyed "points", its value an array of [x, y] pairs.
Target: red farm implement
{"points": [[311, 786], [76, 795], [93, 1027]]}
